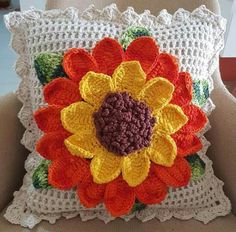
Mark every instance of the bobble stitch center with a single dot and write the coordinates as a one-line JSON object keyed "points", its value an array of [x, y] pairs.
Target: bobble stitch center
{"points": [[123, 125]]}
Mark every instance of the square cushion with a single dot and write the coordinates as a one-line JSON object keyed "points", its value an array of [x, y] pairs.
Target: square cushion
{"points": [[194, 38]]}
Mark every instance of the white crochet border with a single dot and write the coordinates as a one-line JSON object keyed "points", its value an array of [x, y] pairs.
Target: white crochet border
{"points": [[17, 212]]}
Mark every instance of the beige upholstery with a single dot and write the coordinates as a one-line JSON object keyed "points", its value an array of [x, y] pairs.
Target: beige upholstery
{"points": [[140, 5], [222, 137], [12, 153]]}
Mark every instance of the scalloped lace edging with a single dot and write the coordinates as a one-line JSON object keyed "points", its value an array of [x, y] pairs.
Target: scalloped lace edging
{"points": [[111, 13]]}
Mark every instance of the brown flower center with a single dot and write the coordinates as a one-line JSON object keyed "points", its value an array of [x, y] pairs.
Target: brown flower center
{"points": [[123, 125]]}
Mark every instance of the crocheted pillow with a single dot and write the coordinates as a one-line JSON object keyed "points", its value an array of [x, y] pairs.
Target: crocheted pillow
{"points": [[115, 106]]}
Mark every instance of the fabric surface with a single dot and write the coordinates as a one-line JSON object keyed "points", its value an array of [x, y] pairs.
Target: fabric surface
{"points": [[11, 132], [50, 201]]}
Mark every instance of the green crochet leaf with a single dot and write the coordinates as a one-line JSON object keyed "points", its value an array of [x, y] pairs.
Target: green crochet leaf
{"points": [[48, 66], [138, 206], [40, 176], [200, 92], [132, 33], [197, 166]]}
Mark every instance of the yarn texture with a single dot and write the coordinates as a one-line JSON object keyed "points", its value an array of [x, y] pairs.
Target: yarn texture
{"points": [[182, 56], [126, 127]]}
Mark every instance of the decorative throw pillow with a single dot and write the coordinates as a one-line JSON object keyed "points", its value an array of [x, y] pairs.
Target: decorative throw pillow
{"points": [[115, 106]]}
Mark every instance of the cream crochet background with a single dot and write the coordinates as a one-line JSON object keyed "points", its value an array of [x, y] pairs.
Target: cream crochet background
{"points": [[194, 37]]}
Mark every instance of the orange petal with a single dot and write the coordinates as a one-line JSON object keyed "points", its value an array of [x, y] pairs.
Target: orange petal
{"points": [[48, 119], [152, 190], [51, 145], [77, 62], [196, 119], [90, 194], [67, 172], [176, 176], [166, 66], [145, 50], [119, 197], [183, 89], [61, 91], [187, 144], [109, 54]]}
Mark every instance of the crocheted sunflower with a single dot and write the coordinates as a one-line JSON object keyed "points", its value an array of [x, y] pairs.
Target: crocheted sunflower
{"points": [[120, 126]]}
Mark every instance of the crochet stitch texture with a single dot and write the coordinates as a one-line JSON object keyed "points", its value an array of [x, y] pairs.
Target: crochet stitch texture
{"points": [[79, 157], [194, 37]]}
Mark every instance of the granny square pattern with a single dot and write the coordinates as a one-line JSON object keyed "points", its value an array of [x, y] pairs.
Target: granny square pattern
{"points": [[115, 107]]}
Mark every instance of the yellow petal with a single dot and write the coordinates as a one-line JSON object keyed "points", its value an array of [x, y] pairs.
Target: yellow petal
{"points": [[94, 87], [77, 117], [157, 93], [129, 77], [170, 119], [83, 144], [135, 168], [105, 167], [162, 150]]}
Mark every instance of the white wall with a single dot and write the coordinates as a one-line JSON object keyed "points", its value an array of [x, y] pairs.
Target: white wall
{"points": [[228, 10], [26, 4], [225, 6]]}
